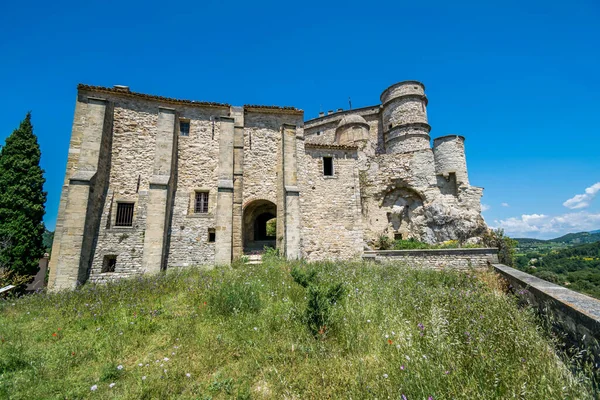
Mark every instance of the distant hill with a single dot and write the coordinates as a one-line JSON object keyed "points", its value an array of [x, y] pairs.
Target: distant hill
{"points": [[568, 239]]}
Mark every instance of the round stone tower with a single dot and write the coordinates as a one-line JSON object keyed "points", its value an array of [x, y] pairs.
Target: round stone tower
{"points": [[405, 117], [352, 130], [449, 155]]}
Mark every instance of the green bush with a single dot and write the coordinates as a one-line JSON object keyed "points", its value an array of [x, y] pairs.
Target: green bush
{"points": [[322, 298]]}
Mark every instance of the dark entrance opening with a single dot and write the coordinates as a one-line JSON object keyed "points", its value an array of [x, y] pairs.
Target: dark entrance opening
{"points": [[259, 226]]}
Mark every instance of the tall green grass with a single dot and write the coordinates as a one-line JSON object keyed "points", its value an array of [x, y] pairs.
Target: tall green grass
{"points": [[244, 332]]}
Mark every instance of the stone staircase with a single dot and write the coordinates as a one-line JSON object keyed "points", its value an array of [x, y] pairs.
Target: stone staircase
{"points": [[254, 259]]}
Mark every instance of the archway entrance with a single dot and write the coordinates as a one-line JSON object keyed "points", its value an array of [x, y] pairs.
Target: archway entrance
{"points": [[259, 226]]}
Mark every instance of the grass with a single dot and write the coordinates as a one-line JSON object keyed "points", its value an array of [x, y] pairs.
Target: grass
{"points": [[244, 332]]}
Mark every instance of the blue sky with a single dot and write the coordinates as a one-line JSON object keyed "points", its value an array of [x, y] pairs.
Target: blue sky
{"points": [[519, 79]]}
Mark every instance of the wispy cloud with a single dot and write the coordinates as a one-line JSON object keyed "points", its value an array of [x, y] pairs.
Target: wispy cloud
{"points": [[505, 205], [583, 200], [485, 207], [540, 224]]}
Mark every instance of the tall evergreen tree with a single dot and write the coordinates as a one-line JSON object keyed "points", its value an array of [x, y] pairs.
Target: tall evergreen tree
{"points": [[22, 201]]}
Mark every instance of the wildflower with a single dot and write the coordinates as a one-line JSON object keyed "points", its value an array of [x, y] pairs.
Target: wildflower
{"points": [[369, 321], [424, 356], [390, 341], [385, 376], [73, 353], [140, 364], [165, 371], [398, 346], [120, 367], [95, 387], [407, 358], [404, 397], [387, 336], [402, 367], [188, 375], [430, 398], [54, 334], [447, 372], [144, 377], [421, 326], [255, 328], [166, 358], [112, 385]]}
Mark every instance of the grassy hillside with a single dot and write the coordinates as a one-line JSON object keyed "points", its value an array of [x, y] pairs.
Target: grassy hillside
{"points": [[568, 240], [255, 332], [577, 267]]}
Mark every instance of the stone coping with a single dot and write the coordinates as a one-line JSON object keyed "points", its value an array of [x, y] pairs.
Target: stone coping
{"points": [[336, 116], [424, 252], [585, 308]]}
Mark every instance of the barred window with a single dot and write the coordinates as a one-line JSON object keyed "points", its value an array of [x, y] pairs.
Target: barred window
{"points": [[184, 128], [124, 214], [201, 203]]}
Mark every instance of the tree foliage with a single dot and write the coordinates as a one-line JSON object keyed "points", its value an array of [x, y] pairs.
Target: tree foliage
{"points": [[21, 201], [505, 245]]}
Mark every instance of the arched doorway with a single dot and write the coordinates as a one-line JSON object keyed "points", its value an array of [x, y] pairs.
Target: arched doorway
{"points": [[259, 226]]}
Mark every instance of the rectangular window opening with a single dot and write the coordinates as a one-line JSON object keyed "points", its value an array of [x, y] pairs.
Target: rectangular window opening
{"points": [[328, 166], [124, 214], [184, 128], [211, 235], [201, 203], [109, 264]]}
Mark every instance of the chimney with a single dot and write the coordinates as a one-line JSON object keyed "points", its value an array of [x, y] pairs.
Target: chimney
{"points": [[121, 88], [329, 112], [321, 114], [340, 110]]}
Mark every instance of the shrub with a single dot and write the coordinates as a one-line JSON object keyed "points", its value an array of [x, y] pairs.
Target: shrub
{"points": [[505, 245], [321, 296]]}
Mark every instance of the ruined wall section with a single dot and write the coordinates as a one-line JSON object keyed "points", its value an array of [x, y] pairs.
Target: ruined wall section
{"points": [[330, 206], [197, 160]]}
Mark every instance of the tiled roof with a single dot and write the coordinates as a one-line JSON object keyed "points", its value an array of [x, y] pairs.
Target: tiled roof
{"points": [[254, 107], [126, 92], [330, 146]]}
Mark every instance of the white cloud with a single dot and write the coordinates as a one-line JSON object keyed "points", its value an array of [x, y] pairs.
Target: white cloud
{"points": [[485, 207], [543, 225], [583, 200], [504, 205]]}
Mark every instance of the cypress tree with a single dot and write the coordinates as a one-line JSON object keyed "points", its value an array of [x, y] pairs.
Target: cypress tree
{"points": [[22, 201]]}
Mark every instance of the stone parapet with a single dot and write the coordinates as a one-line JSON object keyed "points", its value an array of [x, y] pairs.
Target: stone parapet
{"points": [[571, 313], [437, 258]]}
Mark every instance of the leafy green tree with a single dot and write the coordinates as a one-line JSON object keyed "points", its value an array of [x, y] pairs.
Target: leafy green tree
{"points": [[22, 201]]}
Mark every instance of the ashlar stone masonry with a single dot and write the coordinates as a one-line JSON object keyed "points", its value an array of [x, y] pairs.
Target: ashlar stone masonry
{"points": [[154, 183]]}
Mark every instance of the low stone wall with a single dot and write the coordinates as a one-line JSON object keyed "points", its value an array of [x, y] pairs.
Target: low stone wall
{"points": [[569, 312], [437, 258]]}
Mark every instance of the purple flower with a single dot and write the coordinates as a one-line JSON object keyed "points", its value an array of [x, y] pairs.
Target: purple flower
{"points": [[421, 326], [404, 397], [402, 367]]}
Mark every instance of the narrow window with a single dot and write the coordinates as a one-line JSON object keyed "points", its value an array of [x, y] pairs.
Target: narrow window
{"points": [[109, 264], [328, 166], [211, 235], [184, 128], [124, 214], [201, 203]]}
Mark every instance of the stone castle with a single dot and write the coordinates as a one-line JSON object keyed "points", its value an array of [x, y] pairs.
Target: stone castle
{"points": [[155, 182]]}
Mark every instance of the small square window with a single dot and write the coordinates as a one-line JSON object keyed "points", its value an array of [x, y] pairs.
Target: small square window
{"points": [[211, 235], [184, 128], [328, 166], [124, 214], [109, 264], [201, 203]]}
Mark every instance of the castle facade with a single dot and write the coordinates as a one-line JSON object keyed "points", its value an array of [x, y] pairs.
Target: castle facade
{"points": [[154, 182]]}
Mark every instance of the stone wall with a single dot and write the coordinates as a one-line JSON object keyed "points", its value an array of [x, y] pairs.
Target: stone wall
{"points": [[437, 258], [570, 313], [330, 205]]}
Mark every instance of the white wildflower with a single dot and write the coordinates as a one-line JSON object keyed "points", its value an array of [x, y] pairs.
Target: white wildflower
{"points": [[95, 387], [112, 385], [120, 367]]}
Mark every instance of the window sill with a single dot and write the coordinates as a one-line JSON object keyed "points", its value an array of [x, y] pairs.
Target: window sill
{"points": [[329, 177]]}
